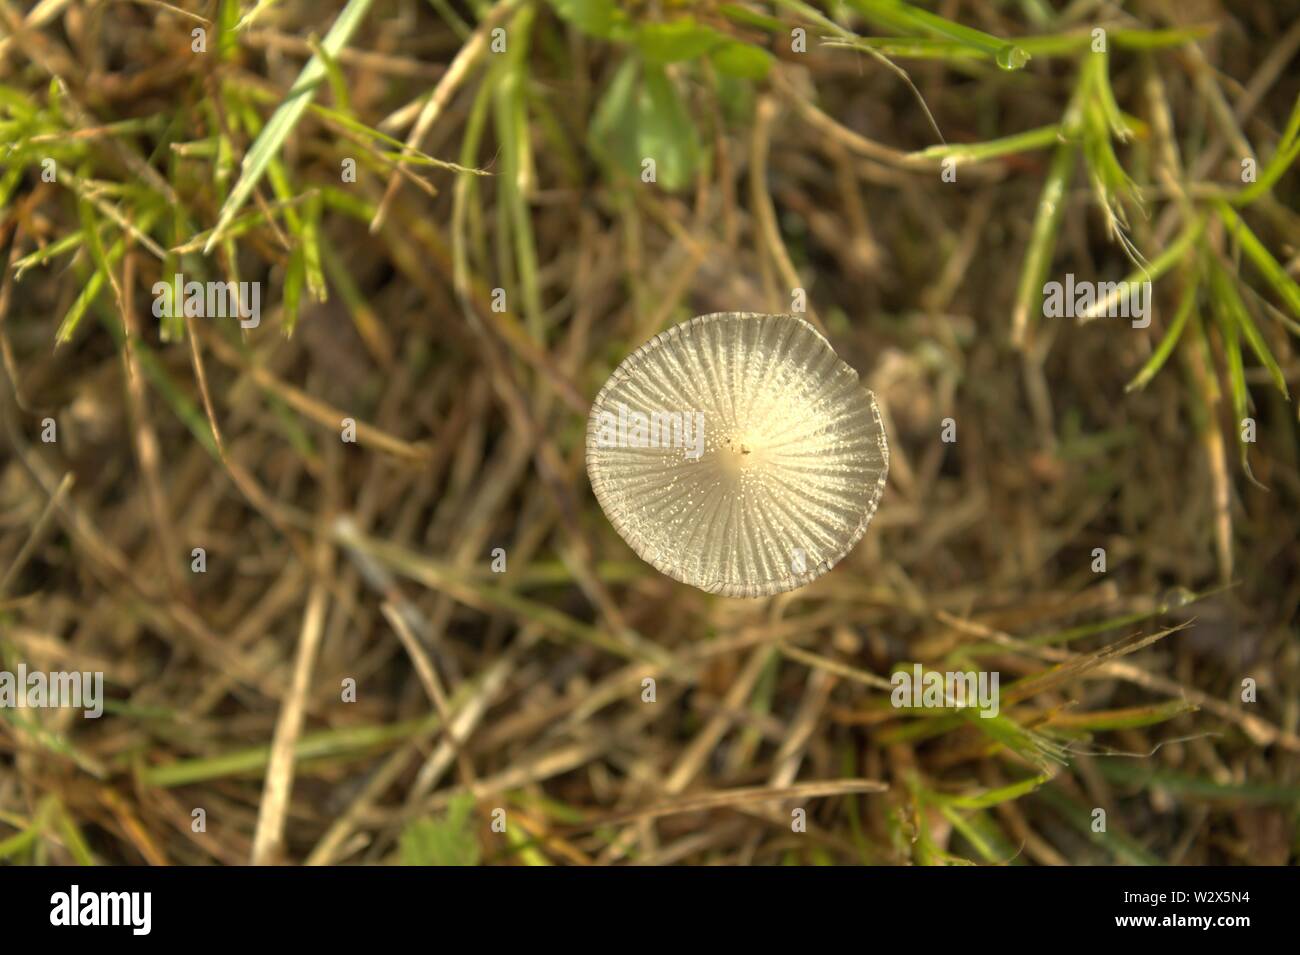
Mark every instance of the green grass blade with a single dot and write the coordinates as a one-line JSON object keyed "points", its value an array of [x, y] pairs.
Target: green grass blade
{"points": [[993, 797], [906, 18], [1158, 267], [281, 124], [1285, 286], [1172, 334], [1042, 241], [1039, 138], [1234, 311]]}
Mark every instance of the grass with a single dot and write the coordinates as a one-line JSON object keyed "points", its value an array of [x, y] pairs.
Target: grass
{"points": [[502, 246]]}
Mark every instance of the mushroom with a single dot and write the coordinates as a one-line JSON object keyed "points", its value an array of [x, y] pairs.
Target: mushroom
{"points": [[737, 453]]}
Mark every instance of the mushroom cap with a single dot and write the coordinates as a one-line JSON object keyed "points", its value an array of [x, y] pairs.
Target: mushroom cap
{"points": [[782, 482]]}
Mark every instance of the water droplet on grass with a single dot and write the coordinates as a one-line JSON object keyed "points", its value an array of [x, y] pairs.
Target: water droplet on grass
{"points": [[1012, 57]]}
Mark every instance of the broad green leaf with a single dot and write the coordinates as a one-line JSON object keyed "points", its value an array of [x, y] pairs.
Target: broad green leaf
{"points": [[612, 133], [676, 40], [743, 60], [738, 14], [665, 131], [448, 840], [600, 18]]}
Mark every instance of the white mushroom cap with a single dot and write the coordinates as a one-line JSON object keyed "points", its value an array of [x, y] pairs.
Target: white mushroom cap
{"points": [[786, 477]]}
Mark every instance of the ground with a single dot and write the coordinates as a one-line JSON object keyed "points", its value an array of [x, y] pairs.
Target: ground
{"points": [[333, 546]]}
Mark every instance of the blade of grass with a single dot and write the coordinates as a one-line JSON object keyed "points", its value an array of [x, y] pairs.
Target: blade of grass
{"points": [[1042, 241], [1144, 777], [510, 112], [1130, 718], [906, 18], [1060, 44], [1079, 816], [1171, 336], [1288, 148], [1161, 264], [992, 797], [1039, 138], [1229, 331], [94, 284], [329, 743], [1269, 267], [284, 119]]}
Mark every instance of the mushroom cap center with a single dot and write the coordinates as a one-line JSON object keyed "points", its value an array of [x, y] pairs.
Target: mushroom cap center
{"points": [[739, 452]]}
